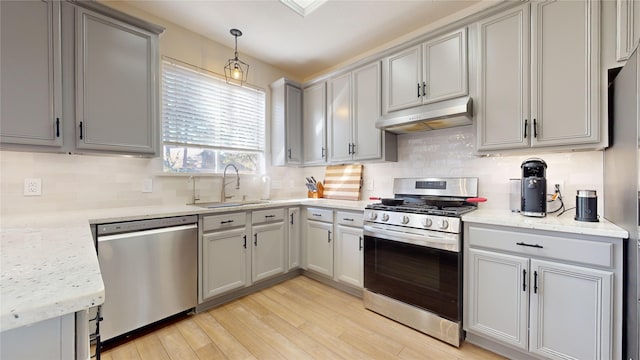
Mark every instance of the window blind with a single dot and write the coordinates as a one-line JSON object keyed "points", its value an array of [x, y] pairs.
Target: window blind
{"points": [[200, 109]]}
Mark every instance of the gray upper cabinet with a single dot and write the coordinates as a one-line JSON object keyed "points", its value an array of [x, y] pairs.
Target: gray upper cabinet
{"points": [[354, 107], [433, 71], [116, 85], [340, 118], [627, 27], [503, 70], [314, 124], [560, 106], [31, 81], [565, 104], [286, 123]]}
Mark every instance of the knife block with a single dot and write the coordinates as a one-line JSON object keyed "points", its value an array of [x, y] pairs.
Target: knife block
{"points": [[316, 194]]}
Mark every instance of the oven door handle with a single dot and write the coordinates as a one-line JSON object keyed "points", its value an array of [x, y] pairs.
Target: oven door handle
{"points": [[438, 242]]}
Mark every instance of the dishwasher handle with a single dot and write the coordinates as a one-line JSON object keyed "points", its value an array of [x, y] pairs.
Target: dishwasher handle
{"points": [[127, 235]]}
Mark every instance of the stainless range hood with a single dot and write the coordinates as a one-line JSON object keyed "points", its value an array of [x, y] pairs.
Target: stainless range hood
{"points": [[439, 115]]}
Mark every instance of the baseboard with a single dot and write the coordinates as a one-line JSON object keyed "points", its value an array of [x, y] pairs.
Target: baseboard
{"points": [[225, 298]]}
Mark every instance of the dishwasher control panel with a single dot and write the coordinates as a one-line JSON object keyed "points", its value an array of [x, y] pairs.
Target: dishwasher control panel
{"points": [[139, 225]]}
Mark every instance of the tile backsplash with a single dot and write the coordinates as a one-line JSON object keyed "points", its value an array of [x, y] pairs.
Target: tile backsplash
{"points": [[86, 181]]}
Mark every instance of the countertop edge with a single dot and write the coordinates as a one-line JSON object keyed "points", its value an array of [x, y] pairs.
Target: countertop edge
{"points": [[564, 223], [14, 316]]}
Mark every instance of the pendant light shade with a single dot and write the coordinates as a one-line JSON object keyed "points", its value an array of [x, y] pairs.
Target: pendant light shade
{"points": [[236, 70]]}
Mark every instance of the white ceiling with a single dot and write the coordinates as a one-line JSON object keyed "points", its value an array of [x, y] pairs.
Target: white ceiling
{"points": [[334, 33]]}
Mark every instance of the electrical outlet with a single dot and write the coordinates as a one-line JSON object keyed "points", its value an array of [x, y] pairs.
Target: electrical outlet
{"points": [[369, 184], [147, 185], [551, 186], [32, 187]]}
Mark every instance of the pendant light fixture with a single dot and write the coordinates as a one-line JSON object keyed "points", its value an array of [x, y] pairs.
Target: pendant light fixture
{"points": [[236, 70]]}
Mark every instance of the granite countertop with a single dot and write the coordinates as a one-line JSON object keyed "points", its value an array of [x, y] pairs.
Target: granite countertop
{"points": [[563, 223], [48, 263], [49, 267]]}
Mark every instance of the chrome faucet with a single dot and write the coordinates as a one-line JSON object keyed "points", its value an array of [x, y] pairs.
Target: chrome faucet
{"points": [[223, 196]]}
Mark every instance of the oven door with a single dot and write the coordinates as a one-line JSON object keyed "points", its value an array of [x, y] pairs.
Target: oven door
{"points": [[408, 271]]}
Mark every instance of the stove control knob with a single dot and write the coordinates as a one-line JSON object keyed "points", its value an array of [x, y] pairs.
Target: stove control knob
{"points": [[426, 222], [373, 216], [405, 219], [443, 224], [385, 217]]}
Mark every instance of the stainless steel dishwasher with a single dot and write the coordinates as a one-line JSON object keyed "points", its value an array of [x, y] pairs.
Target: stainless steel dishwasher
{"points": [[149, 269]]}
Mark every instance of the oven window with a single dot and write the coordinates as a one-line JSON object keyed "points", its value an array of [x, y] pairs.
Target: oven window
{"points": [[424, 277]]}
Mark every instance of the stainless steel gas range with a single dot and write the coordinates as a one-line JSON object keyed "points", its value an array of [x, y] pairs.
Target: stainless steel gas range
{"points": [[412, 254]]}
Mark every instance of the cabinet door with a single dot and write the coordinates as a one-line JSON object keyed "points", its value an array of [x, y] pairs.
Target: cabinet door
{"points": [[116, 85], [224, 261], [293, 235], [319, 247], [314, 124], [365, 111], [445, 67], [268, 251], [503, 61], [565, 99], [340, 118], [293, 119], [498, 296], [30, 64], [627, 27], [567, 299], [349, 255], [52, 339], [402, 87]]}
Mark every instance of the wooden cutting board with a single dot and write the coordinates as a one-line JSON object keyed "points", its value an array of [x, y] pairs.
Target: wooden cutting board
{"points": [[343, 182]]}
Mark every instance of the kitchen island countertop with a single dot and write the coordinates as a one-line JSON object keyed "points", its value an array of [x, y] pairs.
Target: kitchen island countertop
{"points": [[563, 223], [48, 262]]}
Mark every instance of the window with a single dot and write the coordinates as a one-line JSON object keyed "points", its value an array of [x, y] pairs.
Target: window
{"points": [[208, 123]]}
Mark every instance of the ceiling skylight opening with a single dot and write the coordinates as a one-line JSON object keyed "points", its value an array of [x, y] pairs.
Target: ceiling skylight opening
{"points": [[303, 7]]}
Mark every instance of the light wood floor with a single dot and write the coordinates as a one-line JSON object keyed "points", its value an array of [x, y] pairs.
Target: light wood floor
{"points": [[298, 319]]}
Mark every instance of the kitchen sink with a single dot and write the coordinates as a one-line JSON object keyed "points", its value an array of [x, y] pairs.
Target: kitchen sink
{"points": [[216, 205]]}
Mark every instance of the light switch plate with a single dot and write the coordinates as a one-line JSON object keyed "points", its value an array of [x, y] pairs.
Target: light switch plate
{"points": [[370, 184], [32, 187]]}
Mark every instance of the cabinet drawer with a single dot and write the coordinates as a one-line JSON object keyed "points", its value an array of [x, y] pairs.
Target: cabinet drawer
{"points": [[325, 215], [559, 247], [349, 218], [224, 221], [269, 215]]}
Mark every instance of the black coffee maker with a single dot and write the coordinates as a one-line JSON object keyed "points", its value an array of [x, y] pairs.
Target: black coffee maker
{"points": [[534, 188]]}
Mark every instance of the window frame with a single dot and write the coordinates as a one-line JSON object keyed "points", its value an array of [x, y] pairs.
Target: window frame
{"points": [[220, 151]]}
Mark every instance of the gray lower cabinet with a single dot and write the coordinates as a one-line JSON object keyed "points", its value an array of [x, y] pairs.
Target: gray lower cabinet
{"points": [[545, 294], [225, 248], [293, 238], [268, 252], [31, 81], [116, 85], [48, 339], [527, 96], [319, 239], [349, 248]]}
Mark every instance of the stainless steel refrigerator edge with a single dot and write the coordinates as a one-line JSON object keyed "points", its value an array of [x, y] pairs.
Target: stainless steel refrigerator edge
{"points": [[621, 189]]}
